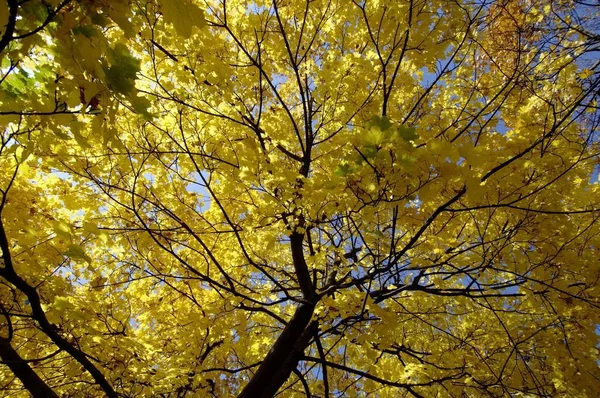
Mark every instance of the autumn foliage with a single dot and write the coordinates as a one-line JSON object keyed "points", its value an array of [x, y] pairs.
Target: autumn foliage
{"points": [[308, 198]]}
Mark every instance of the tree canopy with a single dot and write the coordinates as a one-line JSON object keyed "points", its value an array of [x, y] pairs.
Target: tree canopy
{"points": [[301, 198]]}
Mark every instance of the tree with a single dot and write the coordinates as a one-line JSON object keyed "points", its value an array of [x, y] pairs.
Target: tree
{"points": [[316, 198]]}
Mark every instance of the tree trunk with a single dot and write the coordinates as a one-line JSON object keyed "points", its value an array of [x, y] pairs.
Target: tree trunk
{"points": [[31, 381], [285, 354], [283, 357]]}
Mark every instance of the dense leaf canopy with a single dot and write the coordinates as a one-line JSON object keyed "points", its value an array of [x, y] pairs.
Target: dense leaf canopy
{"points": [[308, 198]]}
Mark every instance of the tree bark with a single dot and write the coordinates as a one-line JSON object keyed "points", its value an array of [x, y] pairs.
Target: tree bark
{"points": [[283, 357], [8, 273], [287, 351], [31, 381]]}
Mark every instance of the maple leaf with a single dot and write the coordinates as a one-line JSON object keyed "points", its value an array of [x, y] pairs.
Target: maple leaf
{"points": [[184, 15], [299, 198], [122, 70]]}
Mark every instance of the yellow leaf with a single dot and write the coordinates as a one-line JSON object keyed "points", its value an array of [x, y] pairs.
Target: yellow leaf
{"points": [[120, 13], [73, 99], [99, 281], [62, 229], [584, 74], [92, 228], [184, 15]]}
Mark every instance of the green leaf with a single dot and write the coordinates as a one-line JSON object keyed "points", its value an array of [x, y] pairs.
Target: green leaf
{"points": [[99, 19], [34, 11], [342, 170], [141, 105], [408, 133], [45, 72], [380, 122], [369, 151], [123, 69], [184, 15], [63, 136], [87, 31], [5, 61], [76, 252], [16, 83], [375, 137]]}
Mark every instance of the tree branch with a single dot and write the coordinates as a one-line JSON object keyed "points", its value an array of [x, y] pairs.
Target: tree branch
{"points": [[30, 380]]}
